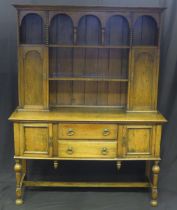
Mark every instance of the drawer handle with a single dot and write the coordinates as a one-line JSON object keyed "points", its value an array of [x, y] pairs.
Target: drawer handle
{"points": [[70, 151], [70, 132], [106, 132], [104, 151]]}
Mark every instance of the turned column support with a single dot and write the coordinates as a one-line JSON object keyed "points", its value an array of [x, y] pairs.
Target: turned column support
{"points": [[154, 195], [18, 171]]}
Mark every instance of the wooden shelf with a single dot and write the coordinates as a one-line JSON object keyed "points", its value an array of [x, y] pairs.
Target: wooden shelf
{"points": [[87, 79], [145, 46], [89, 46]]}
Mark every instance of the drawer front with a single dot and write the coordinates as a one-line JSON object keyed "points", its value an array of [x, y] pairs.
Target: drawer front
{"points": [[87, 131], [87, 149]]}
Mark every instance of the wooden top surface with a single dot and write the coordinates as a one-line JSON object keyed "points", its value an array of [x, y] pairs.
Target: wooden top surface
{"points": [[87, 115], [84, 8]]}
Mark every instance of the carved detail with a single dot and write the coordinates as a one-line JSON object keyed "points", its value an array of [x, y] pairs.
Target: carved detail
{"points": [[156, 169], [103, 35], [146, 56], [55, 164], [46, 29], [119, 164], [23, 15], [154, 17], [17, 167], [46, 34], [31, 51], [18, 170], [75, 35]]}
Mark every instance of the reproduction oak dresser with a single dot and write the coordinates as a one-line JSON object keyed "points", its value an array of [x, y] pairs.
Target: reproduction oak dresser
{"points": [[88, 84]]}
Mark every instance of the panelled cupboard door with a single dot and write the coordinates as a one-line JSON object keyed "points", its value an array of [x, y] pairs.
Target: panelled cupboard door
{"points": [[143, 79], [137, 141], [33, 84], [36, 140]]}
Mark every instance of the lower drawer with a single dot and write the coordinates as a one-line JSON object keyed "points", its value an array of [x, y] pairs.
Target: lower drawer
{"points": [[87, 149]]}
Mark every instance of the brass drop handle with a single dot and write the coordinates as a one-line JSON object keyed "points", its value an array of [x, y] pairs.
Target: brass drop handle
{"points": [[70, 151], [104, 151], [106, 132], [70, 132]]}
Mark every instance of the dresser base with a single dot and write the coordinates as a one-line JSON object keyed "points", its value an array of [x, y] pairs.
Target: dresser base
{"points": [[22, 182]]}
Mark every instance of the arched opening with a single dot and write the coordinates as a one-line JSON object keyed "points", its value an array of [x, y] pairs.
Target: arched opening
{"points": [[145, 31], [31, 30]]}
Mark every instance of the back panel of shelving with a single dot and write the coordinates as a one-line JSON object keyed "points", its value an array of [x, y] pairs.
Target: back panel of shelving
{"points": [[99, 63], [81, 93], [88, 61]]}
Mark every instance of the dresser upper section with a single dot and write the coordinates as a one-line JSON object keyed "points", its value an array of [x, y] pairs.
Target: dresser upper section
{"points": [[103, 57]]}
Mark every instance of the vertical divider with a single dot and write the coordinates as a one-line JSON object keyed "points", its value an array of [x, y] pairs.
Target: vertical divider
{"points": [[46, 67], [19, 60], [102, 36], [158, 36], [121, 64], [18, 28], [75, 34], [73, 55], [109, 55], [130, 76], [72, 82]]}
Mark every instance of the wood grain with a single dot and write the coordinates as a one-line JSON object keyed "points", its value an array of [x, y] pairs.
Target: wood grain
{"points": [[138, 140], [86, 149], [89, 115], [87, 131], [35, 140], [143, 88]]}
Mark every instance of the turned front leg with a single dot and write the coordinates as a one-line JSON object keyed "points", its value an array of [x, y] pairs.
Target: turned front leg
{"points": [[155, 171], [18, 171]]}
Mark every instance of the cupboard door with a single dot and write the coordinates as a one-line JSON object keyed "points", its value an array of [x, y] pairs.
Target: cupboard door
{"points": [[36, 140], [143, 79], [33, 84], [137, 141]]}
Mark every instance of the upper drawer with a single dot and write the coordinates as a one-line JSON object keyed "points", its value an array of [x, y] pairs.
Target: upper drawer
{"points": [[87, 131]]}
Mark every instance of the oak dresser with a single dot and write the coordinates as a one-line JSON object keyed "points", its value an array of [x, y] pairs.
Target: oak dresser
{"points": [[88, 85]]}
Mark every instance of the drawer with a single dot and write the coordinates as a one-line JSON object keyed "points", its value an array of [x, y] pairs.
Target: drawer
{"points": [[87, 131], [87, 149]]}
